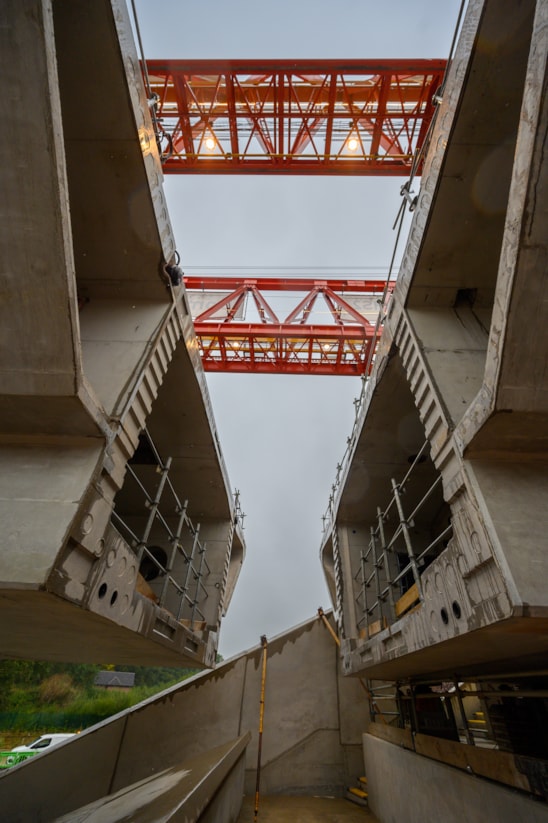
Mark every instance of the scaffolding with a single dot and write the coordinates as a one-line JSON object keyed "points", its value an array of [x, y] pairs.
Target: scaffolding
{"points": [[178, 572], [381, 570]]}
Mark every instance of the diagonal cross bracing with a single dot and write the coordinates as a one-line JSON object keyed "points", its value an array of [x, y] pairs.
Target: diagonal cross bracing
{"points": [[359, 117], [295, 344]]}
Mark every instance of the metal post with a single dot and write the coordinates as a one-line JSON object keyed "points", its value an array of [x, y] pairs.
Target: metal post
{"points": [[377, 576], [198, 581], [175, 541], [406, 537], [467, 731], [154, 507], [414, 718], [327, 624], [188, 571], [364, 591], [386, 565], [261, 720]]}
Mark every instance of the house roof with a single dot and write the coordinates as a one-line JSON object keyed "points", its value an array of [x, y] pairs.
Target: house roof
{"points": [[108, 678]]}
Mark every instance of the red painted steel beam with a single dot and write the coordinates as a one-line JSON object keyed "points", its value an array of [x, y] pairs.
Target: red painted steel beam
{"points": [[281, 349], [358, 117], [288, 284], [291, 346]]}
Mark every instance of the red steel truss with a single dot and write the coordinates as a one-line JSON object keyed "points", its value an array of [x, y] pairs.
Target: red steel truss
{"points": [[294, 344], [359, 117]]}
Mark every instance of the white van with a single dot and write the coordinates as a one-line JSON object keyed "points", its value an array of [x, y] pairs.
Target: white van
{"points": [[45, 741]]}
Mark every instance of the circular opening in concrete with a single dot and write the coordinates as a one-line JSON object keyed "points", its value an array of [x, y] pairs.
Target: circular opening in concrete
{"points": [[102, 591], [444, 616], [456, 609], [113, 598]]}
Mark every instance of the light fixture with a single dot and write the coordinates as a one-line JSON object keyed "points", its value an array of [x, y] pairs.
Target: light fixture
{"points": [[210, 143], [353, 143]]}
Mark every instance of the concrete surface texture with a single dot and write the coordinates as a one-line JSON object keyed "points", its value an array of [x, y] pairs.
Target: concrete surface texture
{"points": [[461, 365], [95, 347], [106, 349], [206, 788], [312, 739], [309, 809], [405, 786]]}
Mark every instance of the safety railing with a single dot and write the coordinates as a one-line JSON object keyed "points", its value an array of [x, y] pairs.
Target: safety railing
{"points": [[182, 566], [380, 570], [488, 712]]}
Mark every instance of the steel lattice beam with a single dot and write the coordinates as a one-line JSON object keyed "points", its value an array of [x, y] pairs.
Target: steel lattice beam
{"points": [[358, 117], [292, 344]]}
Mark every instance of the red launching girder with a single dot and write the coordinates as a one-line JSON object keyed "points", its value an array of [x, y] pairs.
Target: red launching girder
{"points": [[295, 344], [293, 116]]}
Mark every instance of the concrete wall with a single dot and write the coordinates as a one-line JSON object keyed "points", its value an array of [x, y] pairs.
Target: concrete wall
{"points": [[227, 803], [206, 788], [454, 342], [35, 235], [405, 786], [41, 489], [466, 321], [93, 348], [514, 494], [117, 332], [312, 739]]}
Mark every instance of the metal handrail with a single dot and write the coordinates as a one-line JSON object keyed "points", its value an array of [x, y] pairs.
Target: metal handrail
{"points": [[375, 556], [188, 584]]}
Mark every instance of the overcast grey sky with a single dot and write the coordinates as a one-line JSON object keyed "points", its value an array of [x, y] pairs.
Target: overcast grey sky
{"points": [[282, 436]]}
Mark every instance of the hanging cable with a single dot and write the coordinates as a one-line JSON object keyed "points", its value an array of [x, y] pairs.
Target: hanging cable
{"points": [[380, 317], [405, 190], [407, 193], [454, 41], [152, 98], [141, 49]]}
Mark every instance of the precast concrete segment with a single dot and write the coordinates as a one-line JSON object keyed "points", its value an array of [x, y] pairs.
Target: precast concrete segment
{"points": [[455, 238], [41, 490], [197, 789], [472, 272], [515, 365], [36, 356], [301, 723], [313, 723], [85, 238], [424, 791], [120, 223]]}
